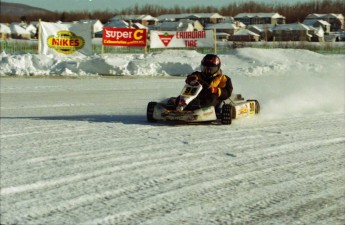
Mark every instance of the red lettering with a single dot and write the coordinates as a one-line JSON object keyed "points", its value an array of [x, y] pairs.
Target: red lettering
{"points": [[64, 42], [191, 34], [190, 43], [55, 41]]}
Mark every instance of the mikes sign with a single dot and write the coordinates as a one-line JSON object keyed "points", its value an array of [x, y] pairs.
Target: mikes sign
{"points": [[124, 37]]}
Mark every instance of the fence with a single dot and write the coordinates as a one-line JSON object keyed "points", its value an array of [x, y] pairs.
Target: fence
{"points": [[16, 46]]}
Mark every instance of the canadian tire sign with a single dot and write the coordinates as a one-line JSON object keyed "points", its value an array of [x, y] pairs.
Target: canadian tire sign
{"points": [[181, 39]]}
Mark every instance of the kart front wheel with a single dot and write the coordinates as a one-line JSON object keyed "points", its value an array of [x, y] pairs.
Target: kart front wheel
{"points": [[149, 112], [257, 105]]}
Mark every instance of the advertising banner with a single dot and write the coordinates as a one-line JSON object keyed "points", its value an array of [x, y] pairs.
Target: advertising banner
{"points": [[181, 39], [124, 37], [65, 39]]}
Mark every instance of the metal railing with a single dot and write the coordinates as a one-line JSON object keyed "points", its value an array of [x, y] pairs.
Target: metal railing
{"points": [[17, 46]]}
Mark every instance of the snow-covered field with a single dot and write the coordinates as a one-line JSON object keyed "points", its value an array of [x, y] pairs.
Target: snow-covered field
{"points": [[79, 150]]}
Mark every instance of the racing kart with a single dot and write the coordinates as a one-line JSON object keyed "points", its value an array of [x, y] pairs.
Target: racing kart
{"points": [[184, 109]]}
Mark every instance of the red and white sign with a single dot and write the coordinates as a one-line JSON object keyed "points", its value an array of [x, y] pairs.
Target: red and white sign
{"points": [[124, 36], [181, 39]]}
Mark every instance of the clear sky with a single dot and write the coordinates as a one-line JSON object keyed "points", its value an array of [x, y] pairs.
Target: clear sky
{"points": [[91, 5]]}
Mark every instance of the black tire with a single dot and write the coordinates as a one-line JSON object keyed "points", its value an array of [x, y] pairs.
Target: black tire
{"points": [[149, 112], [226, 117], [233, 112], [257, 105]]}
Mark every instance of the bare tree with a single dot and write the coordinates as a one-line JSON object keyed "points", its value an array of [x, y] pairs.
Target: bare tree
{"points": [[293, 12]]}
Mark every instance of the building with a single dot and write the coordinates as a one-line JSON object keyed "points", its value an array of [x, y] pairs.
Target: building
{"points": [[292, 32], [318, 23], [245, 35], [18, 32], [225, 27], [318, 34], [32, 30], [146, 20], [264, 30], [260, 18], [182, 25], [203, 18], [115, 22], [336, 21], [5, 31]]}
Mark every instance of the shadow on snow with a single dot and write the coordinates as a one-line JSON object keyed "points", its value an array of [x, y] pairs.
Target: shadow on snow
{"points": [[125, 119]]}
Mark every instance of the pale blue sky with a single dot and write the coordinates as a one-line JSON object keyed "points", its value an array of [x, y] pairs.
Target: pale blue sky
{"points": [[73, 5]]}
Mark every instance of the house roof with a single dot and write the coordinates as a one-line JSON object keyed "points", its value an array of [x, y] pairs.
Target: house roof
{"points": [[311, 22], [176, 25], [92, 22], [222, 34], [245, 32], [292, 26], [329, 15], [172, 17], [31, 28], [230, 26], [169, 25], [88, 21], [116, 23], [16, 29], [319, 31], [262, 27], [4, 28], [135, 17], [139, 25], [148, 18], [314, 16], [261, 15]]}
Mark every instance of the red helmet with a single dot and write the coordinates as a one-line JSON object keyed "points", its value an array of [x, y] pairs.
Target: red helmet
{"points": [[210, 64]]}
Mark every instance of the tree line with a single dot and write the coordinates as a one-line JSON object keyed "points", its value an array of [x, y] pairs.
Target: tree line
{"points": [[293, 12]]}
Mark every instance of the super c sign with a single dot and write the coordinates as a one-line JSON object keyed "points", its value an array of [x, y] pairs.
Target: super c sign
{"points": [[124, 36]]}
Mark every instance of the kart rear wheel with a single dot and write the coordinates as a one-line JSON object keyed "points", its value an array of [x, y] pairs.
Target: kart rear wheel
{"points": [[226, 117], [149, 112]]}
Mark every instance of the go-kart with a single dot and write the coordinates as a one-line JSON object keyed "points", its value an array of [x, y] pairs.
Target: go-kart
{"points": [[184, 109]]}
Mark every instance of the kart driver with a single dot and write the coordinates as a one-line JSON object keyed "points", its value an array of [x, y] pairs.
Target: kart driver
{"points": [[216, 85]]}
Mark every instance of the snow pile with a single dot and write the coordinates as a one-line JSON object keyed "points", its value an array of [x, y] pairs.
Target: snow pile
{"points": [[153, 64], [241, 62]]}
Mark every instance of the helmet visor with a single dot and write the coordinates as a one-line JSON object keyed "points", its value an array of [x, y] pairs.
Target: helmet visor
{"points": [[209, 70]]}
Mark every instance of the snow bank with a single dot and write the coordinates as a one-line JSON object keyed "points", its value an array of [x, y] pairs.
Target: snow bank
{"points": [[242, 62], [153, 64]]}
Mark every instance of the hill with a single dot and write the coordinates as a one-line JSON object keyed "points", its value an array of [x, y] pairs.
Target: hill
{"points": [[16, 9]]}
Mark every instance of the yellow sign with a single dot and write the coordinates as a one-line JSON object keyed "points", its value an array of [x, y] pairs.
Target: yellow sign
{"points": [[66, 42]]}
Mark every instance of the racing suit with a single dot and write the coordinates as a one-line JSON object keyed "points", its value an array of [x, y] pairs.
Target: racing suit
{"points": [[216, 88]]}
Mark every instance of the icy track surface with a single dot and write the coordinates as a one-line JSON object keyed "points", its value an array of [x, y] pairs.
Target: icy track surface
{"points": [[79, 151]]}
